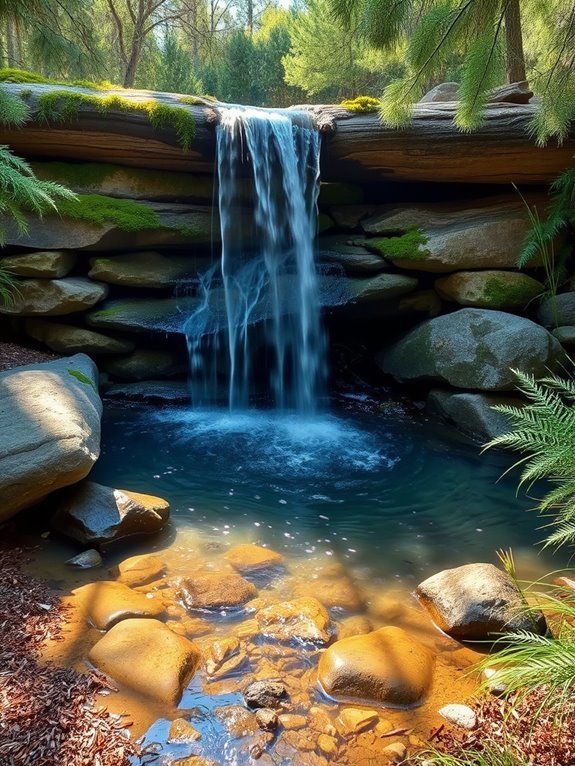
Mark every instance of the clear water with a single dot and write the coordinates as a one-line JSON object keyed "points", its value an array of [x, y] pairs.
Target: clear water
{"points": [[267, 269], [380, 492]]}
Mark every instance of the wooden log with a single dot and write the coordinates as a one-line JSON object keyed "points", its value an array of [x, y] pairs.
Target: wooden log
{"points": [[354, 147]]}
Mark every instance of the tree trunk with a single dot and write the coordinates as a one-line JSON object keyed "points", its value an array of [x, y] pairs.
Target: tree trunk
{"points": [[514, 39], [12, 44]]}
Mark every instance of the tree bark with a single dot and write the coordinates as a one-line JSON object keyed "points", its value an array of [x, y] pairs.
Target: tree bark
{"points": [[514, 39]]}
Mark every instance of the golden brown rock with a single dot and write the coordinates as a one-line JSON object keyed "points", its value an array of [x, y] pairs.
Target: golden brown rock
{"points": [[183, 731], [216, 591], [107, 603], [353, 720], [332, 592], [248, 558], [303, 618], [140, 570], [327, 744], [147, 657], [387, 666], [292, 722], [358, 625]]}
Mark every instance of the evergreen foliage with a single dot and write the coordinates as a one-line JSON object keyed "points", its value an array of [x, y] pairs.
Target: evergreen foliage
{"points": [[544, 429]]}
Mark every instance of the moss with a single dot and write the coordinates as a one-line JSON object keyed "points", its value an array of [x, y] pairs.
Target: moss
{"points": [[408, 246], [82, 378], [127, 215], [500, 292], [362, 104], [196, 100], [64, 105], [81, 174]]}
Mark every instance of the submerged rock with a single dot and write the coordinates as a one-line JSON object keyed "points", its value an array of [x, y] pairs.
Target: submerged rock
{"points": [[387, 666], [146, 656], [216, 591], [49, 429], [303, 619], [475, 602], [247, 558], [265, 694], [472, 413], [90, 559], [474, 349], [107, 603], [95, 514]]}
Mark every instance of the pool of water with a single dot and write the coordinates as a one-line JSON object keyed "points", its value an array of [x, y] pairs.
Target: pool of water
{"points": [[398, 497]]}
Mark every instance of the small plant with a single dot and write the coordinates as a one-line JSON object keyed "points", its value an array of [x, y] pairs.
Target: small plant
{"points": [[8, 286], [490, 756], [362, 104]]}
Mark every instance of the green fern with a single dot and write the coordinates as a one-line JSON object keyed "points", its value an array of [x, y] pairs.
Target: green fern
{"points": [[544, 430], [21, 192], [489, 756]]}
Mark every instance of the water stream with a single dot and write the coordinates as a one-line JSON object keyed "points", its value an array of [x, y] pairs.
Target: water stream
{"points": [[267, 274]]}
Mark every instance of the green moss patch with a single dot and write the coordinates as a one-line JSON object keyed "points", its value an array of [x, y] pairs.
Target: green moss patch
{"points": [[362, 104], [82, 378], [64, 106], [501, 292], [127, 215], [408, 246]]}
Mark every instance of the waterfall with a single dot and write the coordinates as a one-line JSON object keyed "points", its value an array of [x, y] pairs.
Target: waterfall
{"points": [[257, 325]]}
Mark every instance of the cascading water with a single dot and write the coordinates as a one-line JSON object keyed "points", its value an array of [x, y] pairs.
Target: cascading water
{"points": [[263, 293]]}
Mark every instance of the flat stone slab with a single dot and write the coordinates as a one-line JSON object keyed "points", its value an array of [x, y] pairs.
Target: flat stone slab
{"points": [[67, 339], [49, 429], [54, 297], [44, 264], [147, 269]]}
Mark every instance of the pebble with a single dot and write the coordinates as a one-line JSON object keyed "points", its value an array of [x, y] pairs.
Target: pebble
{"points": [[264, 694], [459, 715], [267, 719], [292, 722], [90, 559]]}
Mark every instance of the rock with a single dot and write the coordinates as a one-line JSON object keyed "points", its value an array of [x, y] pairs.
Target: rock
{"points": [[358, 625], [292, 722], [558, 311], [54, 297], [353, 720], [49, 429], [473, 349], [144, 364], [151, 391], [513, 93], [249, 558], [147, 269], [489, 289], [267, 719], [495, 686], [65, 339], [327, 744], [147, 657], [177, 225], [225, 656], [338, 592], [143, 314], [43, 264], [237, 721], [140, 570], [479, 234], [95, 514], [216, 591], [265, 694], [459, 715], [182, 731], [381, 288], [472, 413], [444, 92], [90, 559], [353, 258], [396, 752], [107, 603], [386, 666], [476, 602], [565, 335], [303, 619]]}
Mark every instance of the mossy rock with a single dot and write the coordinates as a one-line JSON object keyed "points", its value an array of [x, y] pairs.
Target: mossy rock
{"points": [[54, 297], [128, 183], [490, 289], [409, 246], [67, 339], [147, 269]]}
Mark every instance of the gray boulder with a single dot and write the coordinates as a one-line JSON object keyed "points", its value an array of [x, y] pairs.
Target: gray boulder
{"points": [[472, 413], [44, 264], [476, 602], [558, 311], [66, 339], [146, 269], [49, 429], [94, 514], [54, 297], [472, 349]]}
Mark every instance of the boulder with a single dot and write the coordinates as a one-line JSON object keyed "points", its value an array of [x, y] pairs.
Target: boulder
{"points": [[94, 514], [140, 570], [43, 264], [333, 592], [143, 364], [481, 234], [54, 297], [147, 269], [247, 558], [472, 413], [381, 288], [216, 591], [513, 93], [565, 335], [476, 602], [558, 311], [66, 339], [490, 289], [473, 349], [106, 603], [143, 314], [353, 258], [444, 92], [387, 666], [49, 429], [303, 619], [176, 225], [148, 658]]}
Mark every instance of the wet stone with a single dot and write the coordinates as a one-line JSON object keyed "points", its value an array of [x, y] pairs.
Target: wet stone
{"points": [[351, 721], [183, 731], [140, 570], [216, 591], [265, 694], [249, 558], [267, 719], [292, 722], [90, 559], [107, 603], [305, 619], [237, 721]]}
